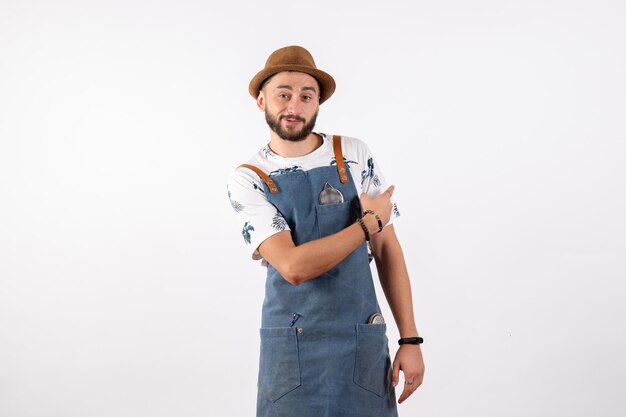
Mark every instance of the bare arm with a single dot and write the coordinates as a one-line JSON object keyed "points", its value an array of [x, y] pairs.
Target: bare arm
{"points": [[309, 260], [298, 264], [394, 279]]}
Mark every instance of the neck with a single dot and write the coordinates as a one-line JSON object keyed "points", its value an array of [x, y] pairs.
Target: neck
{"points": [[289, 149]]}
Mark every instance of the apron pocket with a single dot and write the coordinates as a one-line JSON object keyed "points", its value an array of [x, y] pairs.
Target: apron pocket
{"points": [[372, 366], [279, 367], [332, 218]]}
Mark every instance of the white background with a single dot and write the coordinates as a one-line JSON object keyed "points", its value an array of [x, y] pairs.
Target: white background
{"points": [[125, 288]]}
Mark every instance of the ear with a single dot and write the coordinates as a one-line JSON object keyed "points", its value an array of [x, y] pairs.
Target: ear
{"points": [[260, 101]]}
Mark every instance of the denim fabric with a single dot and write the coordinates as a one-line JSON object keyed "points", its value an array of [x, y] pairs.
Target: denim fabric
{"points": [[329, 362]]}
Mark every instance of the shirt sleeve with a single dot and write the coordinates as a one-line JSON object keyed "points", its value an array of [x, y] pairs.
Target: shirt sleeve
{"points": [[257, 218], [371, 176]]}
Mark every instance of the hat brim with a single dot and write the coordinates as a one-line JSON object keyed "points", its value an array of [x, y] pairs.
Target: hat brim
{"points": [[327, 83]]}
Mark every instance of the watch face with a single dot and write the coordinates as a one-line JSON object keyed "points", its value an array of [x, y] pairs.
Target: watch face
{"points": [[330, 195], [376, 318]]}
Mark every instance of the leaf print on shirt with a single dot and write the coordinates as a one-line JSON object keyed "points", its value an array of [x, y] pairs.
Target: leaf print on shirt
{"points": [[286, 170], [396, 212], [245, 232], [278, 222], [237, 206], [369, 173], [258, 187], [268, 152]]}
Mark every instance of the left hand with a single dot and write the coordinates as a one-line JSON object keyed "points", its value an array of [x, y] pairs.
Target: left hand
{"points": [[409, 360]]}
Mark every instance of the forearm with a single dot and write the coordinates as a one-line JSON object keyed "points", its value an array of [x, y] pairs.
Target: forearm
{"points": [[394, 280], [309, 260], [298, 264], [314, 258]]}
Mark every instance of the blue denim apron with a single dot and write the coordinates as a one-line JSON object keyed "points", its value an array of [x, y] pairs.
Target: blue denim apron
{"points": [[319, 356]]}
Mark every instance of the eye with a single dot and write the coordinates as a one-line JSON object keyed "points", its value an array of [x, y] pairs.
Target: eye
{"points": [[307, 98], [283, 95]]}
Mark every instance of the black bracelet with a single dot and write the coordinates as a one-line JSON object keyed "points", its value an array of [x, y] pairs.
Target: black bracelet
{"points": [[380, 222], [365, 230], [411, 341]]}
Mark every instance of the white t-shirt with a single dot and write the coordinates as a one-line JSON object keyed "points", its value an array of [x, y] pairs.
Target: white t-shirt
{"points": [[259, 219]]}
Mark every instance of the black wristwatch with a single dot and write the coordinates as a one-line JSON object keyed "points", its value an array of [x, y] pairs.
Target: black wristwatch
{"points": [[411, 341]]}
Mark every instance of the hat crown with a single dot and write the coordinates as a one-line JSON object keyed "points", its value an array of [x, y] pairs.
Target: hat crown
{"points": [[290, 55]]}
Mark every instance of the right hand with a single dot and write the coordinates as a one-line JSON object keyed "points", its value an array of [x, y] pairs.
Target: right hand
{"points": [[381, 204]]}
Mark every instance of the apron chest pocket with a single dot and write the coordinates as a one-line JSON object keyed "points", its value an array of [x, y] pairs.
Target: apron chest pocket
{"points": [[279, 367], [333, 218], [372, 368]]}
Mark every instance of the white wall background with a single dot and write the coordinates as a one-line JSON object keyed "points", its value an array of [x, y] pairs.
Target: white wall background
{"points": [[125, 289]]}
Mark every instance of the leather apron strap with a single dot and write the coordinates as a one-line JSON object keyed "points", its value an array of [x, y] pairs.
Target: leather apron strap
{"points": [[266, 178], [341, 166]]}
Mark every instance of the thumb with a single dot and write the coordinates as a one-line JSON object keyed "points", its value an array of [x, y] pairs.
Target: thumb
{"points": [[390, 190], [395, 374]]}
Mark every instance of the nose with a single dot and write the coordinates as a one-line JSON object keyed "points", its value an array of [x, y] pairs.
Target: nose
{"points": [[294, 105]]}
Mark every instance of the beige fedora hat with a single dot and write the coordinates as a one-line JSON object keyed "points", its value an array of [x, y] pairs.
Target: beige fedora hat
{"points": [[293, 58]]}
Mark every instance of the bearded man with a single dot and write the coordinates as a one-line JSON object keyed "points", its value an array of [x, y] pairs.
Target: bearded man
{"points": [[315, 208]]}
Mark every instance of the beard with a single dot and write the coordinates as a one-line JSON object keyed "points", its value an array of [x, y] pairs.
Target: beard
{"points": [[289, 134]]}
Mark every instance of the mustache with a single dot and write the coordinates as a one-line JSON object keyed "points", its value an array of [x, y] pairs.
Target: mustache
{"points": [[293, 117]]}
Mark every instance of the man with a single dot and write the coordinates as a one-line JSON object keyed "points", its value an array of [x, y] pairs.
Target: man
{"points": [[307, 204]]}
